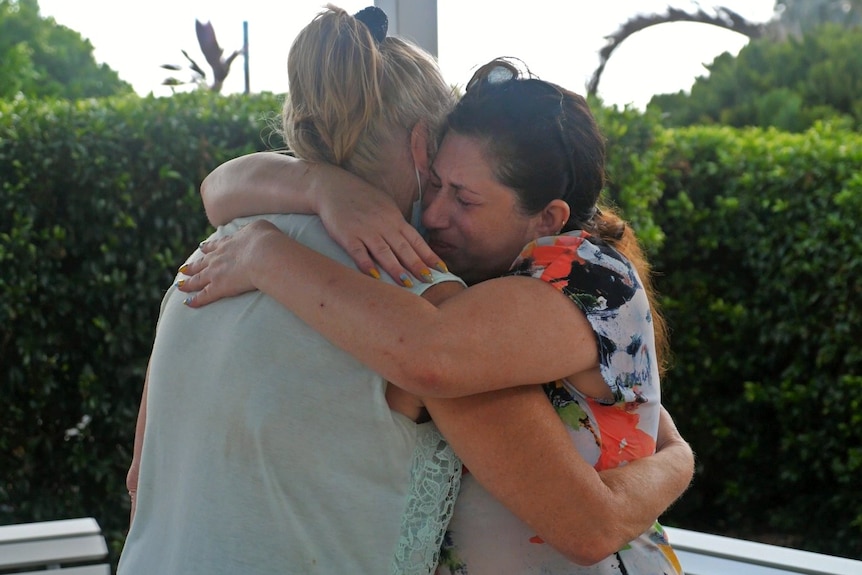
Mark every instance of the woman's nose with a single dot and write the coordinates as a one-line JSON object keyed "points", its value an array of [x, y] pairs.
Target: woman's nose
{"points": [[434, 211]]}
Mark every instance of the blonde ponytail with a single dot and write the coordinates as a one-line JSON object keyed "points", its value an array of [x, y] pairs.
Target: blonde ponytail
{"points": [[351, 95]]}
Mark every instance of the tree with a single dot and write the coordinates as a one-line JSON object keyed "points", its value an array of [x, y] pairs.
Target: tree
{"points": [[40, 58], [787, 84], [795, 17], [214, 55], [792, 19], [723, 18]]}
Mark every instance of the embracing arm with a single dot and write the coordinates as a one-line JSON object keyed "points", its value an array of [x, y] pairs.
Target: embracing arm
{"points": [[512, 440], [428, 351], [359, 217], [135, 467], [517, 447], [664, 475], [266, 183]]}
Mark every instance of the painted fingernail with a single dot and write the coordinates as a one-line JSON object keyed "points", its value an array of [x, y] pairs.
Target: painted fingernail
{"points": [[188, 300], [441, 267], [180, 283], [374, 273], [406, 281], [426, 275], [183, 268]]}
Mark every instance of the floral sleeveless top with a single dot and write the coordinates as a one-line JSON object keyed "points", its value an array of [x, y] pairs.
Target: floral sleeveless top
{"points": [[484, 537]]}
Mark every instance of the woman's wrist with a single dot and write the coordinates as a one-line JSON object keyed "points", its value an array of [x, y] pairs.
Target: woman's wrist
{"points": [[317, 187], [267, 252]]}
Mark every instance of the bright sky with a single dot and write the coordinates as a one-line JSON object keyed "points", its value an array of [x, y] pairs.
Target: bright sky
{"points": [[558, 39]]}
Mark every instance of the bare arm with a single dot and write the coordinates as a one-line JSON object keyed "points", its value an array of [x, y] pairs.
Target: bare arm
{"points": [[665, 475], [264, 183], [360, 218], [135, 467], [512, 440], [506, 318], [517, 447]]}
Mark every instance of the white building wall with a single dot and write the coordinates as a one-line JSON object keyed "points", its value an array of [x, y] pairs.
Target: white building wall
{"points": [[415, 20]]}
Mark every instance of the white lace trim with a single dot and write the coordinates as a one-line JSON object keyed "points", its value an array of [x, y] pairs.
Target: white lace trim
{"points": [[435, 479]]}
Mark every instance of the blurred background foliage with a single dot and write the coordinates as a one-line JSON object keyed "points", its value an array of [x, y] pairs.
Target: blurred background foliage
{"points": [[98, 206], [39, 58], [789, 85]]}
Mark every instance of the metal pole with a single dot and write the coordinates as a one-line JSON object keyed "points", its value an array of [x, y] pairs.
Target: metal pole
{"points": [[245, 54]]}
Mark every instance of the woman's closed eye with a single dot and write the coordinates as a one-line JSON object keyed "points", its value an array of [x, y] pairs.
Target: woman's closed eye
{"points": [[462, 200]]}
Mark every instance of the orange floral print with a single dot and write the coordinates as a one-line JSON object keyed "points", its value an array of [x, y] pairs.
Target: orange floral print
{"points": [[621, 439]]}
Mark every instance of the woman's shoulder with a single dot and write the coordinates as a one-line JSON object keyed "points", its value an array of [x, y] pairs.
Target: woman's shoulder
{"points": [[577, 262]]}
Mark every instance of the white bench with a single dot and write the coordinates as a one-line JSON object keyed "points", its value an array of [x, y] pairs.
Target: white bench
{"points": [[704, 554], [69, 547]]}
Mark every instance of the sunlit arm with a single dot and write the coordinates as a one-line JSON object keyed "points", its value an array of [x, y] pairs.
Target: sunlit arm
{"points": [[491, 336], [135, 467], [255, 184], [517, 447], [512, 440], [361, 218]]}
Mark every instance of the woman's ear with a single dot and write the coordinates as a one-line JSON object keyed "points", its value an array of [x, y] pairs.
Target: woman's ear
{"points": [[553, 217], [419, 147]]}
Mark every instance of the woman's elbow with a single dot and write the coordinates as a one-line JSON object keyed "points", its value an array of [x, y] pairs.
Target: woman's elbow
{"points": [[427, 375], [211, 208], [132, 477], [591, 539], [587, 551], [423, 381]]}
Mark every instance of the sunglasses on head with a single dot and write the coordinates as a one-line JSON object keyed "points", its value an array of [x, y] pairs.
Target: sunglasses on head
{"points": [[547, 99], [506, 75]]}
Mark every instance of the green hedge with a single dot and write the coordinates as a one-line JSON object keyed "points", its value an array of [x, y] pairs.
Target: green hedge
{"points": [[762, 281], [99, 205], [634, 160], [752, 233]]}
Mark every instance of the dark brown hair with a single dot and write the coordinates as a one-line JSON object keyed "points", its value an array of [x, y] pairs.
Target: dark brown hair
{"points": [[543, 142]]}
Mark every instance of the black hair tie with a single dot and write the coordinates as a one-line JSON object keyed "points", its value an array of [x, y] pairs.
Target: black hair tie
{"points": [[376, 21]]}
